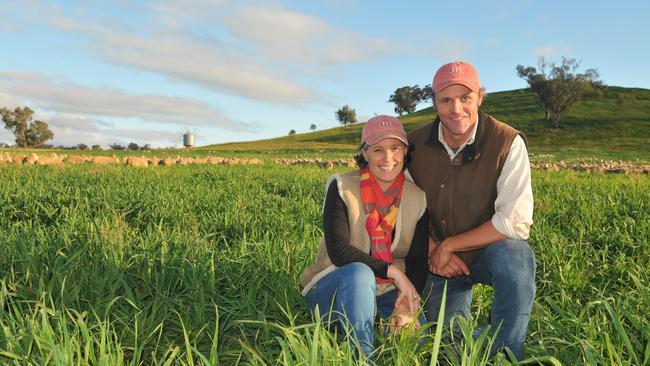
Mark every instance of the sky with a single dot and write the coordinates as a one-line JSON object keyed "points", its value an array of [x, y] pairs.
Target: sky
{"points": [[104, 72]]}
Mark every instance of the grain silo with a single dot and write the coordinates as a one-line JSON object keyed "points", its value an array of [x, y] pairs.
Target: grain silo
{"points": [[188, 139]]}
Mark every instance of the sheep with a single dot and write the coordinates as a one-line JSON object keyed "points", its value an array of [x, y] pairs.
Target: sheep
{"points": [[168, 161], [6, 158], [185, 161], [76, 159], [135, 161], [49, 160], [30, 159], [215, 160], [105, 160]]}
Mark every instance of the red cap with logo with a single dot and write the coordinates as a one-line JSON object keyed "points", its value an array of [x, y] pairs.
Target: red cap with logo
{"points": [[383, 127], [456, 73]]}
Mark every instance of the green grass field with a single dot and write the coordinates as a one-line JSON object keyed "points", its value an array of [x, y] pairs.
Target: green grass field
{"points": [[198, 265]]}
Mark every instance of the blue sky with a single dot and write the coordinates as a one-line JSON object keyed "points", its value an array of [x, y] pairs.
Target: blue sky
{"points": [[123, 71]]}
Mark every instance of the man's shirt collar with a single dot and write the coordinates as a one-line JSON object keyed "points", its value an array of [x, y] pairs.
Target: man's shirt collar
{"points": [[449, 150]]}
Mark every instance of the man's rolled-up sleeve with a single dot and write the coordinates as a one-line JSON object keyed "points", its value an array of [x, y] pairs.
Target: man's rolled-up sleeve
{"points": [[514, 203]]}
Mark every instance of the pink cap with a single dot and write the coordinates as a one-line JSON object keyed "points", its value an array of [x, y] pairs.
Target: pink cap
{"points": [[383, 127], [456, 73]]}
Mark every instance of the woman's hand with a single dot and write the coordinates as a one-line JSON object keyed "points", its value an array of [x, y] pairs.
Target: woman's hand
{"points": [[402, 317], [406, 292]]}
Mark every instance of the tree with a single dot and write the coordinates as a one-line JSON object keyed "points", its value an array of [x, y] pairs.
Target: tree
{"points": [[116, 146], [28, 133], [312, 127], [559, 86], [96, 147], [133, 146], [82, 146], [292, 132], [407, 98], [145, 147], [426, 93], [346, 115]]}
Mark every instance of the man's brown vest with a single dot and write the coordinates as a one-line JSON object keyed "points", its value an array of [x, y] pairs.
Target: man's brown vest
{"points": [[460, 192]]}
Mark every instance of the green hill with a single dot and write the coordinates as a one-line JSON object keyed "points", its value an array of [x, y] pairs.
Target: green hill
{"points": [[616, 125]]}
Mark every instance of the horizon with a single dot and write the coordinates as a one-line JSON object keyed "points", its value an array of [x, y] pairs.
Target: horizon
{"points": [[104, 73]]}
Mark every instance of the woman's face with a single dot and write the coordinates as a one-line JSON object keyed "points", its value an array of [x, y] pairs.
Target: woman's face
{"points": [[385, 160]]}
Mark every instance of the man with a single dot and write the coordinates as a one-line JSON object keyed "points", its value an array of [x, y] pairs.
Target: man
{"points": [[476, 176]]}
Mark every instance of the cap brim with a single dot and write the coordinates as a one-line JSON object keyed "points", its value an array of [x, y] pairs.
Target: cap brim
{"points": [[375, 139], [464, 83]]}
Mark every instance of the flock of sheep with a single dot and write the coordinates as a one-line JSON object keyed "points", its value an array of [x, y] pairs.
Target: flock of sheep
{"points": [[142, 161], [139, 161], [602, 166], [327, 164]]}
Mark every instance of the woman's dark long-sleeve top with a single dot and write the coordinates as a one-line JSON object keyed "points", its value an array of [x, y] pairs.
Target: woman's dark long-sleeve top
{"points": [[337, 239]]}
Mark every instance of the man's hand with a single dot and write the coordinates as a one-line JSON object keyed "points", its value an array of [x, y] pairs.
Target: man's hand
{"points": [[455, 267], [443, 262]]}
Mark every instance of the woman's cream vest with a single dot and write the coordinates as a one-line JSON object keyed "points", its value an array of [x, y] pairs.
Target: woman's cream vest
{"points": [[411, 209]]}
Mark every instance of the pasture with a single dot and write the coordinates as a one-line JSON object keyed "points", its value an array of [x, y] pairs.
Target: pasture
{"points": [[199, 265]]}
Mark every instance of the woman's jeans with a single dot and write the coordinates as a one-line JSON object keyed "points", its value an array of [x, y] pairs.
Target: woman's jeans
{"points": [[346, 298], [509, 267]]}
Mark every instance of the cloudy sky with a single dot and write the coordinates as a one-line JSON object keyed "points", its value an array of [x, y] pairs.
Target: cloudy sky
{"points": [[100, 72]]}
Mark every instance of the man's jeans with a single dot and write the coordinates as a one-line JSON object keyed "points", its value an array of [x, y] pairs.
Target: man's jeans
{"points": [[509, 267], [346, 297]]}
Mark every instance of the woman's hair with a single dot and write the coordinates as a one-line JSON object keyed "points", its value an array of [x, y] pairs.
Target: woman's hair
{"points": [[361, 161]]}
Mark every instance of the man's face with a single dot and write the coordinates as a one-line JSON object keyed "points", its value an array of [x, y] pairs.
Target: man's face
{"points": [[457, 108]]}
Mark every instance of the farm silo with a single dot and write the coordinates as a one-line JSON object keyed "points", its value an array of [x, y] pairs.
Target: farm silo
{"points": [[188, 139]]}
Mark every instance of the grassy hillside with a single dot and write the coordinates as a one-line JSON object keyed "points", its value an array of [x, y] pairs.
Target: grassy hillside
{"points": [[614, 126]]}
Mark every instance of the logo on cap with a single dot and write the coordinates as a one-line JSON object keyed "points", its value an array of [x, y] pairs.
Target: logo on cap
{"points": [[456, 68]]}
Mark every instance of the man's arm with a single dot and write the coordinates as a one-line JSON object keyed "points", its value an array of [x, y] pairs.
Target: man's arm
{"points": [[513, 207]]}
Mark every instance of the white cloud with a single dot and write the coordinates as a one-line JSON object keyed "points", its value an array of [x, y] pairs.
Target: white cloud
{"points": [[71, 98], [297, 37], [9, 101], [253, 51], [184, 59], [71, 129], [177, 54], [8, 26], [188, 8]]}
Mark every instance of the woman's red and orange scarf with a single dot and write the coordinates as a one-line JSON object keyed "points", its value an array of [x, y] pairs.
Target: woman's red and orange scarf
{"points": [[381, 209]]}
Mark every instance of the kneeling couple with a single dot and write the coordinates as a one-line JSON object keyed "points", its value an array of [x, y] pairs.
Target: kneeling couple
{"points": [[462, 215]]}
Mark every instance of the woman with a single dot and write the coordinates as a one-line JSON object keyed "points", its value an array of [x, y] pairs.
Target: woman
{"points": [[374, 250]]}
